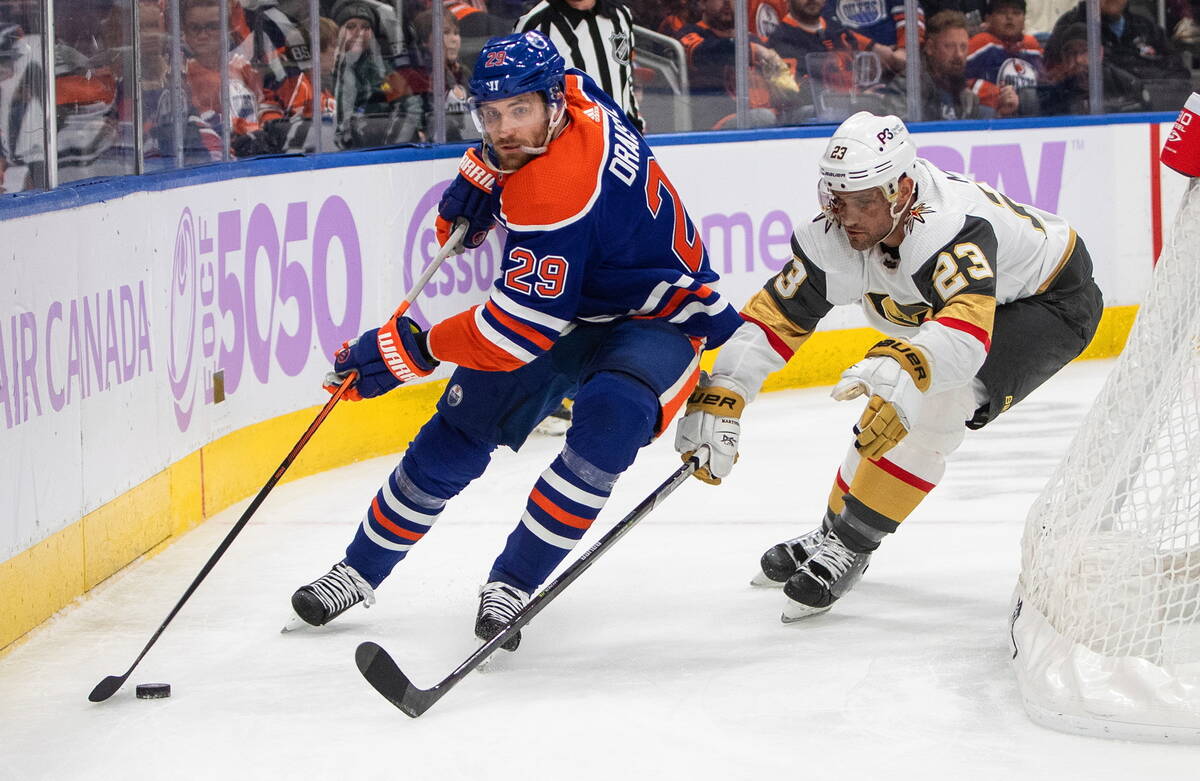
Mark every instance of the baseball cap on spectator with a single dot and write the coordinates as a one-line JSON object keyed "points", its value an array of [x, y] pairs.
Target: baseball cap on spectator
{"points": [[995, 5], [345, 10]]}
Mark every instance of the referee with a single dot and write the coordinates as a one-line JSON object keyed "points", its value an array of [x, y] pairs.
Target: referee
{"points": [[595, 36]]}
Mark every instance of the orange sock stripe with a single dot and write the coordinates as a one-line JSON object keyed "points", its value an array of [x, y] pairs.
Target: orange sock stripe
{"points": [[383, 521], [558, 513]]}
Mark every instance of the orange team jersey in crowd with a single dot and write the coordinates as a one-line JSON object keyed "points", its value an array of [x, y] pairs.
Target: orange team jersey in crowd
{"points": [[710, 56], [245, 91], [765, 16], [460, 9]]}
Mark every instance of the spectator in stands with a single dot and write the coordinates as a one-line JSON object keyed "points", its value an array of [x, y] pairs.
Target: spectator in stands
{"points": [[21, 106], [1137, 45], [595, 36], [278, 48], [374, 105], [973, 11], [945, 90], [822, 53], [805, 30], [476, 24], [1182, 19], [1066, 91], [665, 16], [12, 48], [1004, 55], [327, 56], [459, 125], [245, 113], [880, 20], [710, 53], [88, 92]]}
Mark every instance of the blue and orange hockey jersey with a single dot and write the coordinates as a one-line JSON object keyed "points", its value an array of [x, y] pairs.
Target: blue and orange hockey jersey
{"points": [[596, 233]]}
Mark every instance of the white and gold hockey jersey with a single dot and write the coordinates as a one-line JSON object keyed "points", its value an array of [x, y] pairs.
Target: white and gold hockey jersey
{"points": [[967, 250]]}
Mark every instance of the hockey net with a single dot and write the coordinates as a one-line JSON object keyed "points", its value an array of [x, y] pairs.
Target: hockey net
{"points": [[1106, 615]]}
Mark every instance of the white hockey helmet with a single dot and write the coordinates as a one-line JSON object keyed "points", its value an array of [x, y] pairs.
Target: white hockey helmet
{"points": [[866, 151]]}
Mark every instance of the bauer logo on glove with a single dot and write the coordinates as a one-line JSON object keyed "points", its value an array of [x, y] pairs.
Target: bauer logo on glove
{"points": [[895, 374], [711, 421]]}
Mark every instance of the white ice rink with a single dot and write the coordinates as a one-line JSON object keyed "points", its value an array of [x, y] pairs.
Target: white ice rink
{"points": [[660, 662]]}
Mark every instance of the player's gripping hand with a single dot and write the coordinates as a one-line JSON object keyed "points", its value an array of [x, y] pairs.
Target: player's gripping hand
{"points": [[895, 375], [474, 197], [384, 358], [712, 418]]}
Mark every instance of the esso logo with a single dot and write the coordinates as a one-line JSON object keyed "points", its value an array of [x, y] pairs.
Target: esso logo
{"points": [[462, 281]]}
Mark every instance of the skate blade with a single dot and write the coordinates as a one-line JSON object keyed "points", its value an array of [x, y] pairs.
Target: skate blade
{"points": [[762, 581], [795, 611], [294, 623]]}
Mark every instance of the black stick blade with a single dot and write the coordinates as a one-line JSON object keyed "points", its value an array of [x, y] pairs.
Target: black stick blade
{"points": [[381, 672], [107, 688]]}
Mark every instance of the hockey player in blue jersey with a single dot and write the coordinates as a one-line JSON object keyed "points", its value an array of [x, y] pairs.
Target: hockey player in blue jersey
{"points": [[603, 292]]}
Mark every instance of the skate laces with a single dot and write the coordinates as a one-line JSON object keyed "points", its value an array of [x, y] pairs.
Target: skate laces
{"points": [[341, 588], [808, 542], [501, 601], [834, 557]]}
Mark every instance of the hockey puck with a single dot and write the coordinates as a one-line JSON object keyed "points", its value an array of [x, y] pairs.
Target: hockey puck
{"points": [[153, 691]]}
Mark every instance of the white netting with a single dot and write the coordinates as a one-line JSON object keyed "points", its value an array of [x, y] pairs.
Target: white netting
{"points": [[1106, 623]]}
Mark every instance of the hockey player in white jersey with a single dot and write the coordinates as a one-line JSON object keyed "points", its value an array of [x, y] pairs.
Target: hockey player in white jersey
{"points": [[982, 299]]}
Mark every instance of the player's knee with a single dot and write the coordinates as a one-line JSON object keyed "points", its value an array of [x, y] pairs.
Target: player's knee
{"points": [[943, 421], [443, 459], [614, 415]]}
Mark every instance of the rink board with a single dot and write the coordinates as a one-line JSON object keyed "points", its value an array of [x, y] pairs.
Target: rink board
{"points": [[161, 351]]}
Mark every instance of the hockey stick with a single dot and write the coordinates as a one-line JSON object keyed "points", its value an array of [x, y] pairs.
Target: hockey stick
{"points": [[382, 672], [108, 687]]}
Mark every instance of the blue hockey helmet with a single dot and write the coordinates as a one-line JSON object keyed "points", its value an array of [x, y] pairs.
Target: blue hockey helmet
{"points": [[515, 64]]}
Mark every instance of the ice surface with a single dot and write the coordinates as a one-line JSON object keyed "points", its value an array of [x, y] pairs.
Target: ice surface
{"points": [[660, 662]]}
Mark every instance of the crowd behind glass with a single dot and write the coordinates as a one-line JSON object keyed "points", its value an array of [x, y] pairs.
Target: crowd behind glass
{"points": [[147, 85]]}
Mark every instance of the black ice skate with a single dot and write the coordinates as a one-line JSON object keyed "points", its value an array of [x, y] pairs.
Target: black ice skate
{"points": [[498, 603], [781, 561], [332, 594], [828, 574]]}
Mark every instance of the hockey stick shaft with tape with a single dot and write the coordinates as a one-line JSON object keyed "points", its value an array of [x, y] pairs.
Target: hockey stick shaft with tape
{"points": [[382, 672], [109, 686]]}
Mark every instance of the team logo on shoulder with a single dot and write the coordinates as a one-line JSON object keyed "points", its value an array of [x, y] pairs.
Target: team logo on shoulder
{"points": [[454, 395], [907, 315], [621, 46], [919, 211]]}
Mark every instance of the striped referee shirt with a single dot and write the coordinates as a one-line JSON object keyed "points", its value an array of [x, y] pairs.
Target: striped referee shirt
{"points": [[598, 41]]}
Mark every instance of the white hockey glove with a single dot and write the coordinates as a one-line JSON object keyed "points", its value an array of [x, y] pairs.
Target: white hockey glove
{"points": [[711, 418], [896, 375]]}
